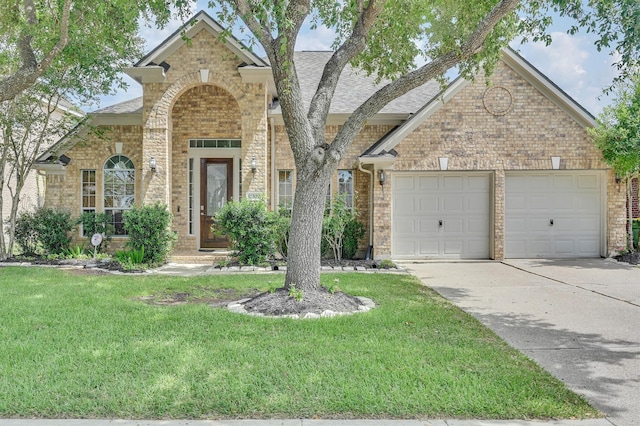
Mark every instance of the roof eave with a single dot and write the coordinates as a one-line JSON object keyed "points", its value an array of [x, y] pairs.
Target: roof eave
{"points": [[554, 93], [201, 20], [147, 74]]}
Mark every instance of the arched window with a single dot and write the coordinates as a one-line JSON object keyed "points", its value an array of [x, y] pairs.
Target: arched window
{"points": [[119, 190]]}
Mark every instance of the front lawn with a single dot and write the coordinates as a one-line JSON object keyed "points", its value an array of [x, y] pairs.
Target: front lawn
{"points": [[81, 346]]}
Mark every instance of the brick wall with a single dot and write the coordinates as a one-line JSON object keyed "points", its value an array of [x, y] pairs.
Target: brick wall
{"points": [[63, 191], [504, 127], [200, 112], [369, 135]]}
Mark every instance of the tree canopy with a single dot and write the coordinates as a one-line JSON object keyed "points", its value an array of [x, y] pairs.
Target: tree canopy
{"points": [[94, 38], [405, 43]]}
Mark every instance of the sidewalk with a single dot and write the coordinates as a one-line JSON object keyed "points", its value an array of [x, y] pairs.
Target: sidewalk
{"points": [[304, 422]]}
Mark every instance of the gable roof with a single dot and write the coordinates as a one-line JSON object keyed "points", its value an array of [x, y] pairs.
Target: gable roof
{"points": [[514, 61], [152, 67], [354, 87], [202, 20]]}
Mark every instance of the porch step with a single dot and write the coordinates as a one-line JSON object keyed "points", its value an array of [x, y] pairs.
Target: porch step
{"points": [[202, 257]]}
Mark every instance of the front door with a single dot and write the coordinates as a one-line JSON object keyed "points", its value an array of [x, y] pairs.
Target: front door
{"points": [[216, 188]]}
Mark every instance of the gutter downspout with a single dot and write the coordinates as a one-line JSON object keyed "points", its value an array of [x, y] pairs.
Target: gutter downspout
{"points": [[273, 163], [369, 254]]}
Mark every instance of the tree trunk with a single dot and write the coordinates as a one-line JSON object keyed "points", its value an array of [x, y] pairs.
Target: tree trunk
{"points": [[303, 260], [630, 213]]}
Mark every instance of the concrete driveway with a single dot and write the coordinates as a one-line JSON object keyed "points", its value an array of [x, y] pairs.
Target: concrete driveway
{"points": [[579, 319]]}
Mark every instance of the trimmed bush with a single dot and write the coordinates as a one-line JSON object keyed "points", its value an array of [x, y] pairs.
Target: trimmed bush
{"points": [[45, 230], [251, 229], [148, 231]]}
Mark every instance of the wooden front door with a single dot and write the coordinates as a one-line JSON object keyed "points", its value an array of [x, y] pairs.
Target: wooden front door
{"points": [[216, 189]]}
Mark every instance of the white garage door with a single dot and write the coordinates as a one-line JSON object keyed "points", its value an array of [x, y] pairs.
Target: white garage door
{"points": [[443, 215], [553, 215]]}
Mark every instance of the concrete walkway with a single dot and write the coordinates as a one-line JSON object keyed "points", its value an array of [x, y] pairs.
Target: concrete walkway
{"points": [[579, 319]]}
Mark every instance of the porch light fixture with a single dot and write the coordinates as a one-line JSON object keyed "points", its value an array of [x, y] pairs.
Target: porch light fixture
{"points": [[152, 164], [381, 177], [254, 165], [555, 163]]}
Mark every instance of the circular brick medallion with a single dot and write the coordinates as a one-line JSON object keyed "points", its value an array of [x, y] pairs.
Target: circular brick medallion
{"points": [[497, 100]]}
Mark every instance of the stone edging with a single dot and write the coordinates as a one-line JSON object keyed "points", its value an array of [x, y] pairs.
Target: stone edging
{"points": [[238, 308]]}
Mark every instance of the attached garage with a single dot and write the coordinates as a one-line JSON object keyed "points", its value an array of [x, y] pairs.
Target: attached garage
{"points": [[441, 215], [554, 214]]}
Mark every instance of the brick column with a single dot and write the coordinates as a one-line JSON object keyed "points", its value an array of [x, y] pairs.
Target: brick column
{"points": [[498, 214]]}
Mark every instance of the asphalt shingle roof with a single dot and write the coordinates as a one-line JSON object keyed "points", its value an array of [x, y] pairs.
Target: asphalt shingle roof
{"points": [[354, 87], [126, 107]]}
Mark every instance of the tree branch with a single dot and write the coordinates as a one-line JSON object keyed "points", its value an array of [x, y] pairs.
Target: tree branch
{"points": [[30, 69], [471, 46], [355, 44]]}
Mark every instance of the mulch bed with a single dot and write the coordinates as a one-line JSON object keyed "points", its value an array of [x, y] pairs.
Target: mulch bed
{"points": [[632, 258]]}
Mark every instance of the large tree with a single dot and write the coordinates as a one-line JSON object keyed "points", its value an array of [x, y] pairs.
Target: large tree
{"points": [[618, 137], [388, 37], [51, 50], [38, 35]]}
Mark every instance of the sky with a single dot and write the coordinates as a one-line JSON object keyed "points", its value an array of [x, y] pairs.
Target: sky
{"points": [[571, 61]]}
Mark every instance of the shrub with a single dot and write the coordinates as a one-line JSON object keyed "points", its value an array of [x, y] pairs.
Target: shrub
{"points": [[341, 231], [282, 225], [53, 230], [148, 229], [97, 223], [250, 228], [46, 229], [26, 233], [353, 233]]}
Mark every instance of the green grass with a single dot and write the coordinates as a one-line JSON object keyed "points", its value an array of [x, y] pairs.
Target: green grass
{"points": [[85, 346]]}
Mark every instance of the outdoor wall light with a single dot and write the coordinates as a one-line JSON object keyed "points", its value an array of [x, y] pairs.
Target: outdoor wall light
{"points": [[381, 177], [152, 164], [555, 163], [444, 163], [254, 165]]}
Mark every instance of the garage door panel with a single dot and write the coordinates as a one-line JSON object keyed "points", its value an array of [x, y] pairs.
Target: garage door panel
{"points": [[406, 204], [453, 225], [571, 199], [428, 248], [514, 225], [453, 203], [429, 226], [403, 183], [478, 183], [453, 247], [428, 204], [563, 202], [450, 183], [460, 201], [427, 183], [538, 183], [478, 203], [588, 182], [405, 248]]}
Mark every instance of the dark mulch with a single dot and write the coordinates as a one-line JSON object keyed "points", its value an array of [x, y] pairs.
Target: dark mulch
{"points": [[280, 302], [632, 258]]}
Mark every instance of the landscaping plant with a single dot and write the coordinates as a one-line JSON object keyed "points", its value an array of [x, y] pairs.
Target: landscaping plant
{"points": [[251, 229], [148, 229]]}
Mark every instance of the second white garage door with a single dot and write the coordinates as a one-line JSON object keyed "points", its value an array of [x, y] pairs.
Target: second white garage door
{"points": [[441, 215], [553, 215]]}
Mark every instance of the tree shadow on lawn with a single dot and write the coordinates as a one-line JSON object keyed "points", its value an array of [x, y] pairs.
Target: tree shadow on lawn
{"points": [[583, 361]]}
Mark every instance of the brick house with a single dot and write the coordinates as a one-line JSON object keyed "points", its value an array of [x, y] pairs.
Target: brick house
{"points": [[471, 171]]}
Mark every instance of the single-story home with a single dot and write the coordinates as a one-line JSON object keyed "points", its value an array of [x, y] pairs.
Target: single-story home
{"points": [[471, 171]]}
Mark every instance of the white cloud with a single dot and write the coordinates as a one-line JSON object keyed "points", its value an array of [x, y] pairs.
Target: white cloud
{"points": [[573, 63], [319, 39]]}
